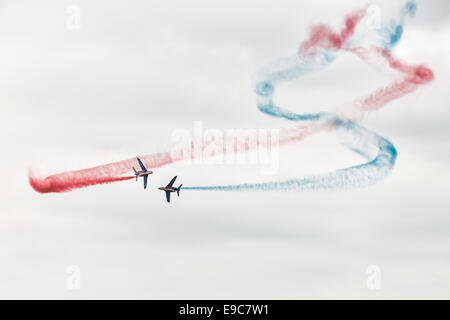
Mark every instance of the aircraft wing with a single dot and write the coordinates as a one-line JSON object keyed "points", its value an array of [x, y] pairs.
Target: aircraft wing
{"points": [[168, 196], [145, 181], [171, 182], [141, 164]]}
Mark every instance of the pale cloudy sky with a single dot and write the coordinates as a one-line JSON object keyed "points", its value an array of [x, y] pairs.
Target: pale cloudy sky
{"points": [[137, 70]]}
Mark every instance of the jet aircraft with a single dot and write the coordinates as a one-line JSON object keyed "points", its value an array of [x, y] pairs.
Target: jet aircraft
{"points": [[169, 188], [142, 173]]}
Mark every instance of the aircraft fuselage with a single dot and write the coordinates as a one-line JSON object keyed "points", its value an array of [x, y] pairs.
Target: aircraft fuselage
{"points": [[143, 173], [169, 189]]}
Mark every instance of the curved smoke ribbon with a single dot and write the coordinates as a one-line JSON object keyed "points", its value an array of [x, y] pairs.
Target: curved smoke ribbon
{"points": [[378, 150], [321, 49], [318, 52]]}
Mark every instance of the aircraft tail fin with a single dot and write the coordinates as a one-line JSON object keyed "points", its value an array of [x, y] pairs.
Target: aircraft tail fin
{"points": [[178, 190], [135, 173]]}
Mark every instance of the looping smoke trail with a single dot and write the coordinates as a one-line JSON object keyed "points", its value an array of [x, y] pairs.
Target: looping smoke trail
{"points": [[322, 48], [317, 52]]}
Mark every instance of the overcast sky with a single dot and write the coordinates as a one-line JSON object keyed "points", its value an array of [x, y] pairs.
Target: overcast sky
{"points": [[134, 72]]}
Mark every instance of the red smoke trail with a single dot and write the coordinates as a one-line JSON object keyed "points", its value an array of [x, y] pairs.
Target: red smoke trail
{"points": [[323, 37], [107, 173], [70, 180], [413, 77]]}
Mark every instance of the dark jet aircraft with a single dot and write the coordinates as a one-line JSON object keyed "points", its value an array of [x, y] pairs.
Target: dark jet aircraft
{"points": [[168, 189], [142, 173]]}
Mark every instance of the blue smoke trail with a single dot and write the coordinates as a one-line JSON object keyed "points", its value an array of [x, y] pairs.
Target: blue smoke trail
{"points": [[379, 152], [393, 33]]}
